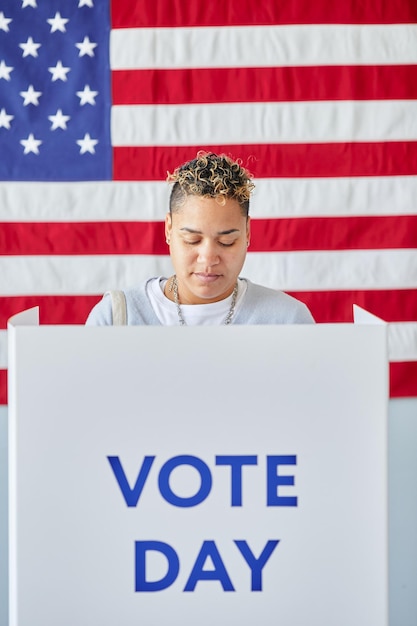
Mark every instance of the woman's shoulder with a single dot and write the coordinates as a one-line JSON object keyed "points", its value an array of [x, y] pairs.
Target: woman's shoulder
{"points": [[138, 308], [273, 306]]}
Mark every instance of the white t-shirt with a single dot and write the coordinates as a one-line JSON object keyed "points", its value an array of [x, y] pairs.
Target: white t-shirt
{"points": [[212, 314]]}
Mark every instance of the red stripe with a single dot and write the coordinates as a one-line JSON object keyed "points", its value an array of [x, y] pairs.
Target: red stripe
{"points": [[3, 387], [326, 306], [268, 235], [264, 84], [52, 309], [395, 306], [334, 233], [165, 13], [82, 238], [403, 380], [398, 305], [391, 158]]}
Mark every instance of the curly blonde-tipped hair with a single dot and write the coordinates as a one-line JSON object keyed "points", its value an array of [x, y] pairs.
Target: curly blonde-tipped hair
{"points": [[211, 176]]}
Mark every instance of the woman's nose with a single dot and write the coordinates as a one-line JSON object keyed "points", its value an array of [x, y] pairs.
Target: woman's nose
{"points": [[208, 254]]}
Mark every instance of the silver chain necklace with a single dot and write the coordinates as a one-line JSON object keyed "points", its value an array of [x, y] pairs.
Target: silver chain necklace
{"points": [[174, 288]]}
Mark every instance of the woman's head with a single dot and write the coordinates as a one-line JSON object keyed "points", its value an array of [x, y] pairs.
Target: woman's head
{"points": [[208, 227], [211, 176]]}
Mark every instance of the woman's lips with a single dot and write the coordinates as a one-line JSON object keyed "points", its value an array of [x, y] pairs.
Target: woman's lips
{"points": [[207, 278]]}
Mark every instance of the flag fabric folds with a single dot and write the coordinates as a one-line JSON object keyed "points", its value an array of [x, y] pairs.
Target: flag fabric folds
{"points": [[99, 101]]}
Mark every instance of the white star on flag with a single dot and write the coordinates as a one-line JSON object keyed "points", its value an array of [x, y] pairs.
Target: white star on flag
{"points": [[5, 119], [87, 144], [59, 120], [86, 47], [87, 96], [57, 23], [59, 72], [4, 22], [30, 96], [29, 3], [31, 144], [85, 3], [30, 48], [5, 70]]}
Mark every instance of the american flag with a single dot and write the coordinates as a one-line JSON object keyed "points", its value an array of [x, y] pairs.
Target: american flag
{"points": [[98, 101]]}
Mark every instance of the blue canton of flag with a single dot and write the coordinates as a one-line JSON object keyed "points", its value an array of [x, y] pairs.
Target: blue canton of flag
{"points": [[55, 91]]}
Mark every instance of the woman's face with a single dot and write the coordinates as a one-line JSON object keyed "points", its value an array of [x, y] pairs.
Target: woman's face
{"points": [[208, 243]]}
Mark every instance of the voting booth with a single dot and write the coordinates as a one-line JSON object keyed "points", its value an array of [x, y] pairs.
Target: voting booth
{"points": [[198, 476]]}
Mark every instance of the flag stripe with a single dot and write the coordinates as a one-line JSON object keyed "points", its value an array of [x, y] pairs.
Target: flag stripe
{"points": [[298, 271], [290, 160], [343, 233], [267, 235], [126, 13], [264, 122], [327, 306], [41, 238], [403, 380], [366, 269], [402, 342], [3, 349], [336, 306], [262, 46], [54, 309], [148, 200], [3, 386], [26, 275], [264, 84], [86, 201]]}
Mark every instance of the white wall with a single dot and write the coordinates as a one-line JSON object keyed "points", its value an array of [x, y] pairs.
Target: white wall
{"points": [[403, 511]]}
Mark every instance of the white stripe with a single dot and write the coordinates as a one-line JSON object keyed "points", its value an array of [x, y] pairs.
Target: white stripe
{"points": [[60, 275], [272, 198], [3, 349], [266, 122], [83, 201], [263, 46], [338, 197], [290, 271], [318, 271], [402, 341]]}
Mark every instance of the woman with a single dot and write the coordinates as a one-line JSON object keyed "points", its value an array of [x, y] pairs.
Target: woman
{"points": [[208, 232]]}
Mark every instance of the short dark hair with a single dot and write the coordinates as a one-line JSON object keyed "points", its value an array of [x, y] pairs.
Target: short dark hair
{"points": [[211, 176]]}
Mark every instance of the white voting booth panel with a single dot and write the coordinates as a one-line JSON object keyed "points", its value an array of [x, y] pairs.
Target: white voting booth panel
{"points": [[184, 476]]}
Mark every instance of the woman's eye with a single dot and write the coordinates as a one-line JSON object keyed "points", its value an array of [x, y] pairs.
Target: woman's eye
{"points": [[195, 242]]}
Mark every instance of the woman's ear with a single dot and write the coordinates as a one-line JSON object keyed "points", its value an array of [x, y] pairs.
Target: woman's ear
{"points": [[248, 231], [168, 227]]}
